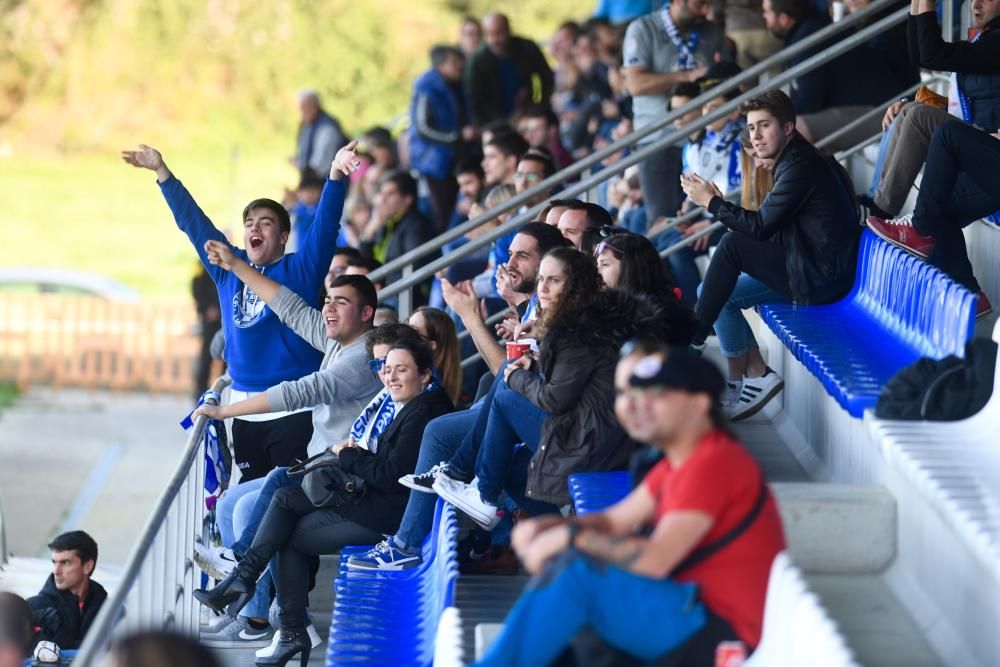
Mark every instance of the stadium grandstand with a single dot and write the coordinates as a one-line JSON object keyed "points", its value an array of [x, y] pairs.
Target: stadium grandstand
{"points": [[849, 511]]}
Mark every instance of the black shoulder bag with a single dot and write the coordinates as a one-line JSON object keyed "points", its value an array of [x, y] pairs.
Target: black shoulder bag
{"points": [[325, 483]]}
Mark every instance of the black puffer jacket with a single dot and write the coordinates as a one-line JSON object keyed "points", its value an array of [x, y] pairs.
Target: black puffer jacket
{"points": [[576, 387], [810, 214], [59, 615]]}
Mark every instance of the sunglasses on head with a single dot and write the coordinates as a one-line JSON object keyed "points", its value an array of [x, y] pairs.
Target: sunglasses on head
{"points": [[607, 245]]}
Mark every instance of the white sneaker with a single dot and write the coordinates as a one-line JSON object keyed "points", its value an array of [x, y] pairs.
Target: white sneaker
{"points": [[466, 498], [216, 562], [268, 651], [424, 482], [755, 394]]}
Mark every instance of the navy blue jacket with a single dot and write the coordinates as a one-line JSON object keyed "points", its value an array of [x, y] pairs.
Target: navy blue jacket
{"points": [[435, 126]]}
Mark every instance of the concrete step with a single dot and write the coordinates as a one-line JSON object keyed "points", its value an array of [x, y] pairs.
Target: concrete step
{"points": [[876, 625]]}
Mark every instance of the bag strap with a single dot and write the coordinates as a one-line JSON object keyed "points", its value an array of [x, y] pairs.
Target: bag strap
{"points": [[302, 467], [700, 554]]}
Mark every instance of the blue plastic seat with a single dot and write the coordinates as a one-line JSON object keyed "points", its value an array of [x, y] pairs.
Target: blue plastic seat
{"points": [[391, 618], [900, 309], [595, 491]]}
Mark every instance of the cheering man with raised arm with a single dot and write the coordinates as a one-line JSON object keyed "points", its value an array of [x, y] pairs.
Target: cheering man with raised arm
{"points": [[260, 350]]}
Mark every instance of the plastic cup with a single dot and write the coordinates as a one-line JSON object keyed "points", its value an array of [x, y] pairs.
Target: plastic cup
{"points": [[516, 350]]}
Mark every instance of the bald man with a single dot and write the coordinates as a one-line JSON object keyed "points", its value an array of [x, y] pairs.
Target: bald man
{"points": [[506, 73]]}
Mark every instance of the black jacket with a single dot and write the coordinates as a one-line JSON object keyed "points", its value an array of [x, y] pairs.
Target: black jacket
{"points": [[576, 387], [410, 231], [811, 215], [385, 499], [976, 64], [59, 616], [484, 89]]}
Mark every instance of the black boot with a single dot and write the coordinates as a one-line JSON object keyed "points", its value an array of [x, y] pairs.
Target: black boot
{"points": [[291, 642], [234, 591]]}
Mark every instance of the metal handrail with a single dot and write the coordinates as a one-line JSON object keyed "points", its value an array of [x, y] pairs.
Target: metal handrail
{"points": [[541, 189], [418, 276], [159, 576]]}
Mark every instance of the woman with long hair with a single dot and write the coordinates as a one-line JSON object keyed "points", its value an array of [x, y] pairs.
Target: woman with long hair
{"points": [[630, 262], [438, 331], [559, 405]]}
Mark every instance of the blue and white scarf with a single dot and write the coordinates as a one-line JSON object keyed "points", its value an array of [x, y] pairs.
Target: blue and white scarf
{"points": [[375, 419], [685, 50], [718, 156]]}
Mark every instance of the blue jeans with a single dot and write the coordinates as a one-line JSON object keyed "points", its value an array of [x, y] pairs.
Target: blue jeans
{"points": [[645, 617], [682, 265], [462, 463], [733, 330], [442, 437]]}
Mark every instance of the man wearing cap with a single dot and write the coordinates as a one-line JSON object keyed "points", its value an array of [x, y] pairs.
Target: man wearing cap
{"points": [[698, 578]]}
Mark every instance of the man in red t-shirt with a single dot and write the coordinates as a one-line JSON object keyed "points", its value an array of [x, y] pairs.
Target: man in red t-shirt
{"points": [[698, 578]]}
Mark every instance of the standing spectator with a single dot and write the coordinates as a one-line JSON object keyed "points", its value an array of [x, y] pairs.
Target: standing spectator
{"points": [[662, 49], [206, 303], [397, 227], [319, 136], [437, 117], [70, 600], [744, 23], [801, 246], [470, 36], [505, 74]]}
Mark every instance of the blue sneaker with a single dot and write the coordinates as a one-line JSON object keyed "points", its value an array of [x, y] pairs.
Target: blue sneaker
{"points": [[384, 557]]}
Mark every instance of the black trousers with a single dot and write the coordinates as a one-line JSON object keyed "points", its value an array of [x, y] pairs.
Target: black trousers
{"points": [[296, 531], [961, 184], [659, 177], [260, 447], [737, 253], [443, 193]]}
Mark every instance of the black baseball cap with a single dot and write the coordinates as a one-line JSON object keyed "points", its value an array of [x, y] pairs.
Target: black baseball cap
{"points": [[678, 368]]}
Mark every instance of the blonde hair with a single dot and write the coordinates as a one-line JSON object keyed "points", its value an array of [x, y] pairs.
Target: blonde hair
{"points": [[757, 183]]}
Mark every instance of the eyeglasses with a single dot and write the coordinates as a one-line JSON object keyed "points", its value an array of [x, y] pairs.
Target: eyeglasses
{"points": [[526, 176], [376, 365]]}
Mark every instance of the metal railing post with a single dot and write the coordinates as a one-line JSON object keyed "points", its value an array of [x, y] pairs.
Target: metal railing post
{"points": [[405, 308]]}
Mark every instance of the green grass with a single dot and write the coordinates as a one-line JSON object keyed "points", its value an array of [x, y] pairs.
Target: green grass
{"points": [[8, 392], [94, 213]]}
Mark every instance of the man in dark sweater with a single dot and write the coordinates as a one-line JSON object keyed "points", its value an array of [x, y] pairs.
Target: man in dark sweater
{"points": [[506, 73], [801, 246], [69, 601]]}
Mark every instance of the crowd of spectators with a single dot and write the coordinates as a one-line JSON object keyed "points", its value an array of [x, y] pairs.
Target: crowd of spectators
{"points": [[560, 389]]}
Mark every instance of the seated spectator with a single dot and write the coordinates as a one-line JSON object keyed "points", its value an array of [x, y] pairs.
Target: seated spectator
{"points": [[505, 74], [379, 144], [438, 129], [304, 203], [663, 49], [976, 68], [540, 128], [550, 214], [843, 89], [630, 263], [362, 266], [530, 243], [801, 246], [960, 185], [470, 36], [578, 218], [159, 649], [559, 406], [261, 351], [471, 189], [437, 330], [648, 592], [396, 227], [484, 283], [17, 630], [319, 136], [385, 315], [501, 155], [298, 530], [341, 260], [70, 600]]}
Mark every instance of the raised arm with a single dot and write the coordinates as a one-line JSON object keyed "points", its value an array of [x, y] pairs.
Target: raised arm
{"points": [[290, 308]]}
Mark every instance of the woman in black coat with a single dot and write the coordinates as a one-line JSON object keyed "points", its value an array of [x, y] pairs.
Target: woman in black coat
{"points": [[294, 529], [560, 405]]}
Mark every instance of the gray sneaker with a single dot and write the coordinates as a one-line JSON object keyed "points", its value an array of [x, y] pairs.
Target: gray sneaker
{"points": [[217, 624], [239, 634]]}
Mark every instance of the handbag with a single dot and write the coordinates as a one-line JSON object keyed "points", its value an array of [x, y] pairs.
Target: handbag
{"points": [[326, 483]]}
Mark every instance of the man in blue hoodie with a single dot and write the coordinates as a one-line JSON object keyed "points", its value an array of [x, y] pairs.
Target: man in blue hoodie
{"points": [[437, 129], [260, 350]]}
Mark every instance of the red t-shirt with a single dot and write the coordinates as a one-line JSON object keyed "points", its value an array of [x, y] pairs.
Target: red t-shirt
{"points": [[721, 479]]}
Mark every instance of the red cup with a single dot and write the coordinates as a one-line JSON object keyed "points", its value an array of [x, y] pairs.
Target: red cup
{"points": [[517, 350]]}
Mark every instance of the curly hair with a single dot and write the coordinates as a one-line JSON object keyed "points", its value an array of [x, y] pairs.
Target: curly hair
{"points": [[583, 283]]}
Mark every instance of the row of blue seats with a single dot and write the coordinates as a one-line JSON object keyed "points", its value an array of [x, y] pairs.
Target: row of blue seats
{"points": [[900, 309], [390, 618]]}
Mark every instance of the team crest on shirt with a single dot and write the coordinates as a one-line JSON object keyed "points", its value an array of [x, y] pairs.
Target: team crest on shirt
{"points": [[248, 308]]}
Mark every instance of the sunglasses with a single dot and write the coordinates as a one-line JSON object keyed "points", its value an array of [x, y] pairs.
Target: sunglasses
{"points": [[376, 365], [607, 245]]}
